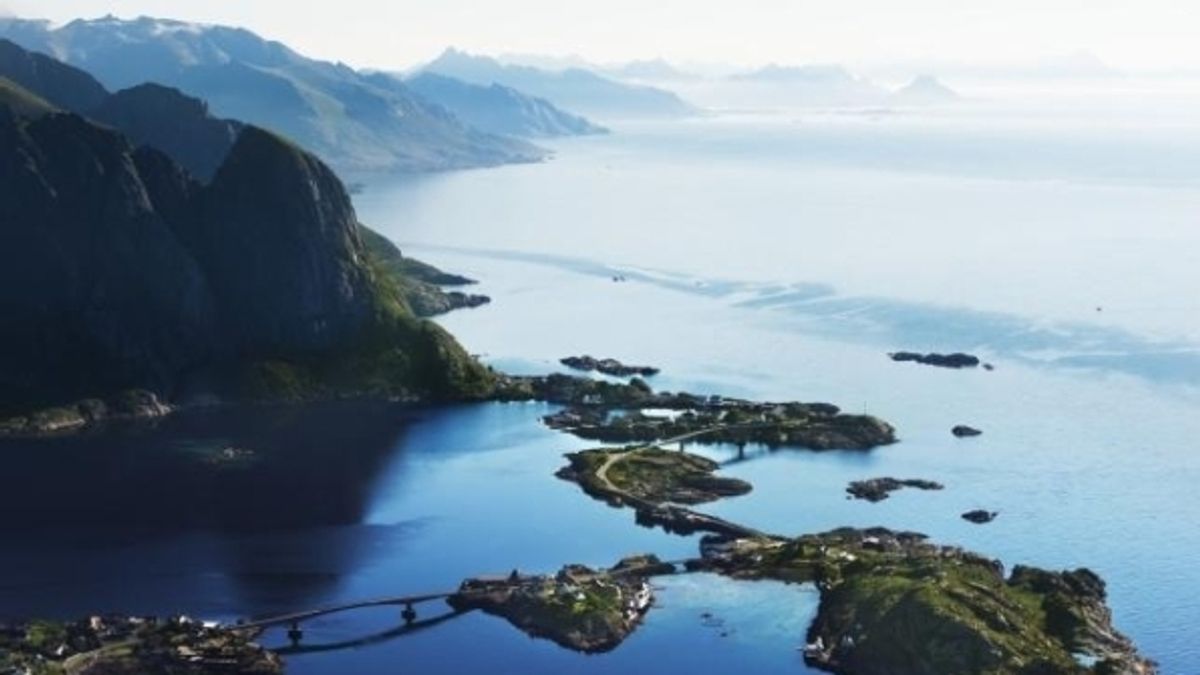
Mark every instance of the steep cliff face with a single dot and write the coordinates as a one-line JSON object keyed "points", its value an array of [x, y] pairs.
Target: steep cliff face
{"points": [[278, 239], [97, 292]]}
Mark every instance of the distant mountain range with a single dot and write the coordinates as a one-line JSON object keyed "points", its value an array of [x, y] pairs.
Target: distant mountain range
{"points": [[352, 119], [498, 109], [924, 90], [574, 89], [815, 84], [120, 270]]}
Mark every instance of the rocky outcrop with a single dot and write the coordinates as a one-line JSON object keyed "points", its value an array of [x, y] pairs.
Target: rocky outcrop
{"points": [[879, 489]]}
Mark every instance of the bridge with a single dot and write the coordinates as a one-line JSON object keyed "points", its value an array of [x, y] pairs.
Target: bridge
{"points": [[683, 438], [408, 602]]}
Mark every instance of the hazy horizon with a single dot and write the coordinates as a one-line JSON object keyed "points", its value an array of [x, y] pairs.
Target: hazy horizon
{"points": [[1154, 35]]}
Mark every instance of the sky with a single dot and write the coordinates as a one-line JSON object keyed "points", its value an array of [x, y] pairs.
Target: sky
{"points": [[1128, 34]]}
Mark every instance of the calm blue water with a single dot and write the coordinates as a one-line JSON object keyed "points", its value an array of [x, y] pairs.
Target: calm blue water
{"points": [[774, 258]]}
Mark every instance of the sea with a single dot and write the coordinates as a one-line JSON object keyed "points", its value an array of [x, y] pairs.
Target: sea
{"points": [[775, 254]]}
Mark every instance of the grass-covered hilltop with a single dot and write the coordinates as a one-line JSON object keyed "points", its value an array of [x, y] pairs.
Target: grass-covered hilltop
{"points": [[121, 270]]}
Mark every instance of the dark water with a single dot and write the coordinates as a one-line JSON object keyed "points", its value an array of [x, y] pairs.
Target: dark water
{"points": [[345, 502]]}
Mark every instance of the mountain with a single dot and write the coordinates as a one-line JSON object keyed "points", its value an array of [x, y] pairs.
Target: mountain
{"points": [[825, 74], [66, 88], [813, 84], [348, 117], [574, 89], [148, 114], [500, 110], [924, 90], [120, 271]]}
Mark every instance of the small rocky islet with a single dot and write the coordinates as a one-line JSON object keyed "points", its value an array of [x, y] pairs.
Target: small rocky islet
{"points": [[980, 516], [879, 489], [954, 360]]}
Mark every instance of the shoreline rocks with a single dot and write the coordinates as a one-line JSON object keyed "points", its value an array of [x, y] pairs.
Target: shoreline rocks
{"points": [[135, 404], [879, 489]]}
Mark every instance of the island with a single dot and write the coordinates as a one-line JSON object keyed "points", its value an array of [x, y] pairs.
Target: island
{"points": [[649, 476], [579, 608], [611, 367], [117, 645], [891, 602], [964, 431], [879, 489]]}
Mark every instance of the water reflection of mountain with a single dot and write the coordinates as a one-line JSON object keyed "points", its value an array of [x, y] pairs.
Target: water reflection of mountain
{"points": [[218, 469], [274, 524]]}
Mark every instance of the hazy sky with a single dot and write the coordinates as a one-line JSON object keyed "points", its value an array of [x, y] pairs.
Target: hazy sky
{"points": [[1131, 34]]}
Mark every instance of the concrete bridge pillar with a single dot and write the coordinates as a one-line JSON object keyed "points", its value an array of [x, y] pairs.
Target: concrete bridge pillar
{"points": [[294, 633], [409, 614]]}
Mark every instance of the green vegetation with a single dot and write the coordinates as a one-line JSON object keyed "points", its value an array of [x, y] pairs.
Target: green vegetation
{"points": [[395, 355]]}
